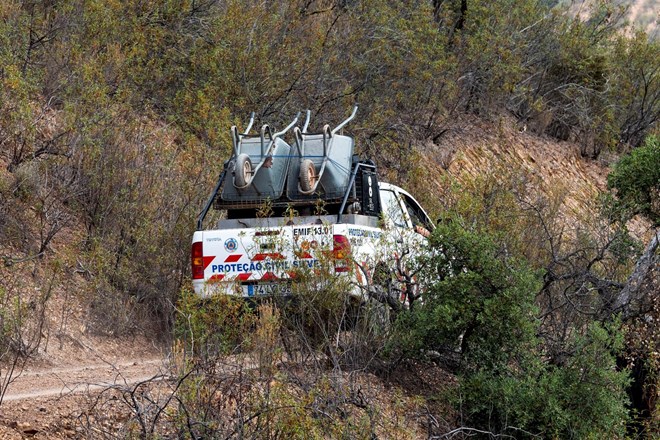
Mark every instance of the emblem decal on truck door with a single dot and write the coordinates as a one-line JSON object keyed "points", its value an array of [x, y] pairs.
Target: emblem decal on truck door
{"points": [[231, 245]]}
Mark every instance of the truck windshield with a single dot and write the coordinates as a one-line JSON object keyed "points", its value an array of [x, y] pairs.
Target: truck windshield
{"points": [[417, 214], [392, 208]]}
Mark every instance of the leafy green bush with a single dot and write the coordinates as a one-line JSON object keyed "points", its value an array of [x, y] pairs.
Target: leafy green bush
{"points": [[479, 317], [480, 302], [583, 398], [636, 180]]}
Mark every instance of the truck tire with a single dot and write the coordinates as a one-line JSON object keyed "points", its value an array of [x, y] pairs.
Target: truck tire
{"points": [[242, 170], [308, 175]]}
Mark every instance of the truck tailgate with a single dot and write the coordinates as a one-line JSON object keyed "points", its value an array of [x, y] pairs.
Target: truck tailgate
{"points": [[250, 262]]}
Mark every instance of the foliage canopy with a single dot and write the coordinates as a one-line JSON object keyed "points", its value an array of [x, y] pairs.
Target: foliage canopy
{"points": [[636, 179]]}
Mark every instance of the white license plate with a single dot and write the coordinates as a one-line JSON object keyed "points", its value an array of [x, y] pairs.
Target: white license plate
{"points": [[267, 289]]}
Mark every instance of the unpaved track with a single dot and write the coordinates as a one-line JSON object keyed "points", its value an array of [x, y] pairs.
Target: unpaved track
{"points": [[48, 382], [51, 403]]}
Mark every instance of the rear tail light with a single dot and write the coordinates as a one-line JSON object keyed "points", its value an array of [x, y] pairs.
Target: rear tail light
{"points": [[341, 252], [197, 260]]}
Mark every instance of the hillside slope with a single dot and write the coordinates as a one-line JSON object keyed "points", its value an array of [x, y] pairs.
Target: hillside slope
{"points": [[474, 148], [470, 148]]}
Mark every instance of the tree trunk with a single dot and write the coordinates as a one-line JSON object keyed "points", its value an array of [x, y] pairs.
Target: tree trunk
{"points": [[633, 301], [636, 297]]}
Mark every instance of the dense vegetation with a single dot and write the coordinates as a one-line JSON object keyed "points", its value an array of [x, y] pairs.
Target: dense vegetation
{"points": [[113, 127], [635, 178]]}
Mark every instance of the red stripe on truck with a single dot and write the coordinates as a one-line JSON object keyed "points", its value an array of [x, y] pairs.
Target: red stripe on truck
{"points": [[269, 276], [207, 261], [244, 276], [272, 256], [233, 258]]}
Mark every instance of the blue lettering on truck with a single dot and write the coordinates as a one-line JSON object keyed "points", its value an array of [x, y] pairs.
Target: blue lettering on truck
{"points": [[308, 264], [267, 266], [236, 267], [355, 232]]}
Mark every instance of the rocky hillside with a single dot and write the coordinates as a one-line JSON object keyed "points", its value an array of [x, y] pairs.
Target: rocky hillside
{"points": [[644, 14], [641, 14]]}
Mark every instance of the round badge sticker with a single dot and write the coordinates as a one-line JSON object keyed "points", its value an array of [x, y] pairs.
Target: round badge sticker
{"points": [[231, 245]]}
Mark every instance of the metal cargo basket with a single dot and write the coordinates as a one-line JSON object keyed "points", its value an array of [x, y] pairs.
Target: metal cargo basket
{"points": [[321, 163], [259, 165]]}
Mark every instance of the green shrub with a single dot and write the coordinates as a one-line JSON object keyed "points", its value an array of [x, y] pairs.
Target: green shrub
{"points": [[583, 398], [480, 302], [636, 180], [479, 317]]}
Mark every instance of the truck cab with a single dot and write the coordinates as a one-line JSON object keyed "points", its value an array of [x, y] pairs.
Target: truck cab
{"points": [[403, 211]]}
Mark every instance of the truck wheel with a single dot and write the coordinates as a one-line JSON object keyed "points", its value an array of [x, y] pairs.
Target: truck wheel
{"points": [[308, 175], [242, 170]]}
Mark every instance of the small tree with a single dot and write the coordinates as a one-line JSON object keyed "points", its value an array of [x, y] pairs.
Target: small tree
{"points": [[479, 318], [480, 302], [636, 180]]}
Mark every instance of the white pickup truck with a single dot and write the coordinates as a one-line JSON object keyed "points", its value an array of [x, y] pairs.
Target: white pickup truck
{"points": [[292, 209]]}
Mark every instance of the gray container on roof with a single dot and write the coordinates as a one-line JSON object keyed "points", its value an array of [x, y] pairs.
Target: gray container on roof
{"points": [[334, 177], [268, 181]]}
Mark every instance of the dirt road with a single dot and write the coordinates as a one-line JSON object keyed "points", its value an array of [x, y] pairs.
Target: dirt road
{"points": [[49, 402], [48, 382]]}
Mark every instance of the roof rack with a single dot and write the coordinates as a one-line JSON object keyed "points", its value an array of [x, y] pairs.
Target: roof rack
{"points": [[318, 166]]}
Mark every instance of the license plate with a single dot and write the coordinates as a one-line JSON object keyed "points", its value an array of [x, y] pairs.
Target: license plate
{"points": [[267, 289]]}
